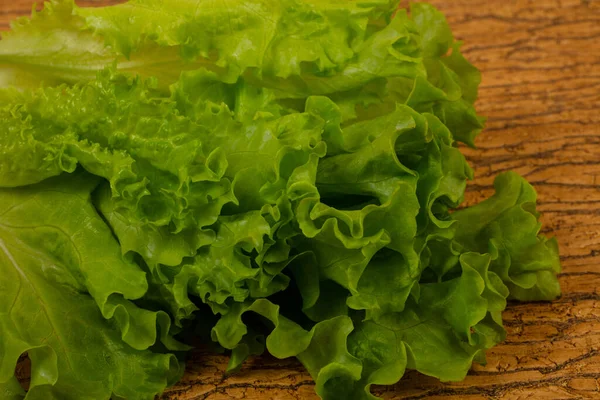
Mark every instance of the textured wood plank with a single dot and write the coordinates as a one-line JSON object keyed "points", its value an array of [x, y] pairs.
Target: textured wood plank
{"points": [[541, 91]]}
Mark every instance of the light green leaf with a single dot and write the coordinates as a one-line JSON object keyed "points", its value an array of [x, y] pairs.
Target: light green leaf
{"points": [[63, 278], [507, 226]]}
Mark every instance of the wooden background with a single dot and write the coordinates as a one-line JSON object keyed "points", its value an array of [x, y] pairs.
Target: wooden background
{"points": [[541, 91]]}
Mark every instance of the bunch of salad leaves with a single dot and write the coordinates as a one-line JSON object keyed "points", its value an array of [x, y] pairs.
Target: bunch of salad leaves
{"points": [[278, 175]]}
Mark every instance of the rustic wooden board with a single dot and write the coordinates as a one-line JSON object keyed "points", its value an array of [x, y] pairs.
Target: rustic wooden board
{"points": [[541, 91]]}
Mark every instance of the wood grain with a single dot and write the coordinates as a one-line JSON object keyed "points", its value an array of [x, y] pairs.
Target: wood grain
{"points": [[541, 91]]}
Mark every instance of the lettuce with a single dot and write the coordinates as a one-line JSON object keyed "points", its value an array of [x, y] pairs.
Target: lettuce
{"points": [[66, 290], [280, 176]]}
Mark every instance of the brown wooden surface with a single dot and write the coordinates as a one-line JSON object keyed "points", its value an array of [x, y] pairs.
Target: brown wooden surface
{"points": [[541, 91]]}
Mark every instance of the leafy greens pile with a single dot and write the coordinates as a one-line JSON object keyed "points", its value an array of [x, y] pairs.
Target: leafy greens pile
{"points": [[275, 174]]}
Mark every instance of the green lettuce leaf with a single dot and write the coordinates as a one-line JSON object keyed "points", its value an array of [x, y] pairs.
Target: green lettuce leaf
{"points": [[56, 46], [114, 127], [12, 390], [255, 38], [507, 226], [65, 290]]}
